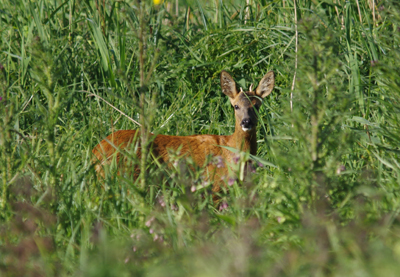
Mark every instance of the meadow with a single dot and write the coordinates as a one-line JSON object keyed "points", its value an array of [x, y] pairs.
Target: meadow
{"points": [[323, 199]]}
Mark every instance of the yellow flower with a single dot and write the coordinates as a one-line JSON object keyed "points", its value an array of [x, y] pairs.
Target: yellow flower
{"points": [[158, 2]]}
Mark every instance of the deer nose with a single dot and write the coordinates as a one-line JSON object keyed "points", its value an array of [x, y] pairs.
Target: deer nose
{"points": [[246, 123]]}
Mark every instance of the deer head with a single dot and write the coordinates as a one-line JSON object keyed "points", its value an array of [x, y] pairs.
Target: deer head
{"points": [[245, 102]]}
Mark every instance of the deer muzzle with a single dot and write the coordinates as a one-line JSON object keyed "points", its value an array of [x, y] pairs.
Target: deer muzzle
{"points": [[246, 124]]}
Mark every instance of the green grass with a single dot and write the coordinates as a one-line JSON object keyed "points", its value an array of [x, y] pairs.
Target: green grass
{"points": [[325, 203]]}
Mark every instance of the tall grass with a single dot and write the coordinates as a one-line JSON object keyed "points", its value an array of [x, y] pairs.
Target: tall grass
{"points": [[323, 199]]}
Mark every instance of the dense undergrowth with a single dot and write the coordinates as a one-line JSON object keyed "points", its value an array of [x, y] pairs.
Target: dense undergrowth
{"points": [[323, 199]]}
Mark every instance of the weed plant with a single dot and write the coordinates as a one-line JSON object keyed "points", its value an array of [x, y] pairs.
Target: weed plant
{"points": [[323, 199]]}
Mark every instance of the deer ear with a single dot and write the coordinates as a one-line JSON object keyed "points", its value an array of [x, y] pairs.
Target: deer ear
{"points": [[228, 85], [266, 85]]}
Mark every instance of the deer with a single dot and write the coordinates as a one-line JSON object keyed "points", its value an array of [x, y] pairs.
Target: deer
{"points": [[199, 147]]}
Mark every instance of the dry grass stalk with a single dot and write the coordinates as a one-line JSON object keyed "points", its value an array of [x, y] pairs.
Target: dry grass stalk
{"points": [[359, 11], [295, 63]]}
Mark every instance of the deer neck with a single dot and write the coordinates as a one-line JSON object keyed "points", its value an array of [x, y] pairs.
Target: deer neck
{"points": [[244, 141]]}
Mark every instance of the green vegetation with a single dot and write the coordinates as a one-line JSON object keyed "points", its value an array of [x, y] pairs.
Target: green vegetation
{"points": [[325, 201]]}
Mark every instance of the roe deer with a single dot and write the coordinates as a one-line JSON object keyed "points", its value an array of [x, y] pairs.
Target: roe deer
{"points": [[199, 147]]}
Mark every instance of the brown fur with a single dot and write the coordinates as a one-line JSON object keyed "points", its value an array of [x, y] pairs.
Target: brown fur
{"points": [[199, 147]]}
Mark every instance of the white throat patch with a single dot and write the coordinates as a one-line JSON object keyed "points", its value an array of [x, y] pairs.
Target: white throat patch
{"points": [[246, 129]]}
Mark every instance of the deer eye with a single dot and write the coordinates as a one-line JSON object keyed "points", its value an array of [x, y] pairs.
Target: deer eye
{"points": [[236, 107]]}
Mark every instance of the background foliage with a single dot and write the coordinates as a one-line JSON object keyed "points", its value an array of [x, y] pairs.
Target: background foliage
{"points": [[324, 199]]}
